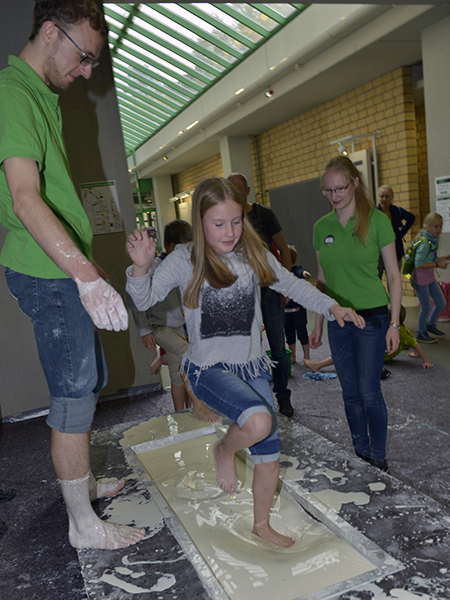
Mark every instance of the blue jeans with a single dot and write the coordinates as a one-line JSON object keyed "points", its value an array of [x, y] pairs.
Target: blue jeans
{"points": [[69, 348], [358, 355], [427, 316], [273, 318], [238, 399]]}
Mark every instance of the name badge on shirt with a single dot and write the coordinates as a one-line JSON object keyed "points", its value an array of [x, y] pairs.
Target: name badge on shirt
{"points": [[329, 240]]}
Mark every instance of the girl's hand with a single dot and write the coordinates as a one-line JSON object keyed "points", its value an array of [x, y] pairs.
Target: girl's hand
{"points": [[142, 250], [306, 275], [342, 314], [392, 340], [442, 263], [427, 365], [315, 339]]}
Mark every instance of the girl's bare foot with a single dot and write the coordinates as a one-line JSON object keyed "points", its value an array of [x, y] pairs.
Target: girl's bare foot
{"points": [[225, 469], [202, 413], [310, 365], [265, 532], [105, 490]]}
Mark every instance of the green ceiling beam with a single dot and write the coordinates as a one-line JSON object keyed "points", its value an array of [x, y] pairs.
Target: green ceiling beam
{"points": [[180, 79], [197, 30], [262, 31], [182, 38], [161, 55], [171, 47], [133, 87], [220, 26], [154, 115], [174, 90]]}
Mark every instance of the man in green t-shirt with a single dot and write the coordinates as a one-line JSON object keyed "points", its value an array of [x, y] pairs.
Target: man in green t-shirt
{"points": [[47, 251]]}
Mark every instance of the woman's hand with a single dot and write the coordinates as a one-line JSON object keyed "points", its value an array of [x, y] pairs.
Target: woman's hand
{"points": [[392, 340], [315, 339], [142, 250], [342, 314]]}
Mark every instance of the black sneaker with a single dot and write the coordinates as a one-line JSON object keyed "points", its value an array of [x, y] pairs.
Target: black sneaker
{"points": [[425, 338], [6, 495], [284, 403], [385, 374], [3, 528], [434, 330], [380, 464]]}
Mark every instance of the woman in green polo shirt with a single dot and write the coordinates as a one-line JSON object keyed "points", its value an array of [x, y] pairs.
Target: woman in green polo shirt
{"points": [[348, 243]]}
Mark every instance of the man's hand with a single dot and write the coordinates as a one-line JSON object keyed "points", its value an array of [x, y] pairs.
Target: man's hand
{"points": [[149, 341], [142, 250], [342, 314], [306, 274], [103, 304]]}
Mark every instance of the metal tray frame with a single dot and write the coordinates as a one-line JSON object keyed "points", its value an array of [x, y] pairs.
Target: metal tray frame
{"points": [[384, 563]]}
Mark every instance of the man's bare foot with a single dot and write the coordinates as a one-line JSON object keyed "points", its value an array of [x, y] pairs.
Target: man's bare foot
{"points": [[311, 365], [265, 532], [105, 490], [225, 469], [202, 413], [104, 536]]}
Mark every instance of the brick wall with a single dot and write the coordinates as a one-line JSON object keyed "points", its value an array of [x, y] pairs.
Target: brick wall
{"points": [[188, 179], [422, 162], [298, 149]]}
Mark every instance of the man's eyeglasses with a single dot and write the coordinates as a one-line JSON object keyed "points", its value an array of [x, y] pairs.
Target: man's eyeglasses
{"points": [[337, 190], [86, 60]]}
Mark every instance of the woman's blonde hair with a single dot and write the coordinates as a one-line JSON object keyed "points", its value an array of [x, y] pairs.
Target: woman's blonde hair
{"points": [[431, 218], [363, 204], [207, 263], [386, 187]]}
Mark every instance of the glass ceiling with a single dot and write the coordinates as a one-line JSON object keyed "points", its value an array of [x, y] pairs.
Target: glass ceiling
{"points": [[166, 55]]}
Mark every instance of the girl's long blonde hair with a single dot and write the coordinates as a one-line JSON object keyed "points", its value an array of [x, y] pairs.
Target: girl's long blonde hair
{"points": [[363, 204], [208, 265]]}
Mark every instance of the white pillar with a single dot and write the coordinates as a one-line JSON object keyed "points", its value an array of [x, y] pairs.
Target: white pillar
{"points": [[436, 70], [237, 158], [165, 210]]}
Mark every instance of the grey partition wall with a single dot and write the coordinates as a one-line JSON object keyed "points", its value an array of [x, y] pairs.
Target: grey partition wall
{"points": [[298, 206]]}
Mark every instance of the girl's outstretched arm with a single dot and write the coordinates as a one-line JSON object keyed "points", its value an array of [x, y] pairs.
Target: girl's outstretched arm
{"points": [[142, 250]]}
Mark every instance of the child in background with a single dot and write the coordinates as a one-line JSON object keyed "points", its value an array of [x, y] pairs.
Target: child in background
{"points": [[295, 316], [407, 341], [220, 276], [424, 281], [163, 324]]}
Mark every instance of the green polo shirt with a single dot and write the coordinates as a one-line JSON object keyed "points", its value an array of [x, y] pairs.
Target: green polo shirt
{"points": [[31, 127], [350, 267]]}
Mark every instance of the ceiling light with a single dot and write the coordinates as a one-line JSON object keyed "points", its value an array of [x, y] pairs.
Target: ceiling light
{"points": [[191, 125], [166, 158], [342, 149], [240, 90], [269, 94]]}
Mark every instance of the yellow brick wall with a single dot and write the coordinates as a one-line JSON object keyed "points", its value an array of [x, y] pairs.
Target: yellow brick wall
{"points": [[188, 179], [422, 162], [298, 149]]}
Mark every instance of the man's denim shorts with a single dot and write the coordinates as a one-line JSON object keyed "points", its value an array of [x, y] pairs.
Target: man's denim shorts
{"points": [[69, 348]]}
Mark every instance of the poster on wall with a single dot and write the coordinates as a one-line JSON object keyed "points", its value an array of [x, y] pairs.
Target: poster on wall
{"points": [[100, 201], [443, 200]]}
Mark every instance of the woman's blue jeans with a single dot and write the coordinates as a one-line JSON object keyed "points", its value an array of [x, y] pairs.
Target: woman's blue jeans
{"points": [[358, 355], [427, 315]]}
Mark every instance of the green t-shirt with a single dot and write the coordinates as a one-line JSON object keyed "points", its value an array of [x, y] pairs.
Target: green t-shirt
{"points": [[350, 267], [31, 127]]}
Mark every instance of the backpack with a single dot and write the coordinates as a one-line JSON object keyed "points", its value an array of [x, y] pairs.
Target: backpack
{"points": [[408, 263]]}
